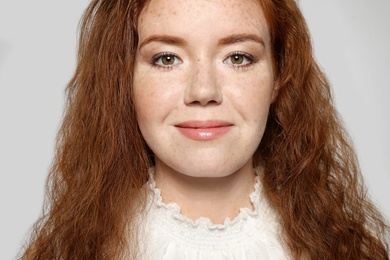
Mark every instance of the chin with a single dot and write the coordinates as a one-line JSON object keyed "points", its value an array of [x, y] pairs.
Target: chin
{"points": [[212, 170]]}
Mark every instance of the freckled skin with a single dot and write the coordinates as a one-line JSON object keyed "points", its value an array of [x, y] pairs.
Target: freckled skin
{"points": [[203, 86]]}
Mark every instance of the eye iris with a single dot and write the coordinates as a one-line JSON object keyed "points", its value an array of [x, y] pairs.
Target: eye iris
{"points": [[167, 60], [237, 59]]}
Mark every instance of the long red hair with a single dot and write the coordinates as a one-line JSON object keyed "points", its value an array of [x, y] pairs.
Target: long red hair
{"points": [[94, 189]]}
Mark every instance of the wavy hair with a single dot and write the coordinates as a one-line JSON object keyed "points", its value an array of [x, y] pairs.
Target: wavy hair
{"points": [[94, 189], [312, 173]]}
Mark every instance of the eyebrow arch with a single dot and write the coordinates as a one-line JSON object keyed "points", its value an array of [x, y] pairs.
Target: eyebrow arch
{"points": [[237, 38], [163, 39]]}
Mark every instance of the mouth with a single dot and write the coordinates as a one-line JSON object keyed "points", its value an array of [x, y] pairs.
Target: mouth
{"points": [[204, 130]]}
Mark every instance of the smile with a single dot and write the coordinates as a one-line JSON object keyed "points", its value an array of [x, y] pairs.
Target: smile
{"points": [[204, 130]]}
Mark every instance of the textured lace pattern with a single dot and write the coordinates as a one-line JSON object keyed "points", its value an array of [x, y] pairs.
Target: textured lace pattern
{"points": [[170, 235]]}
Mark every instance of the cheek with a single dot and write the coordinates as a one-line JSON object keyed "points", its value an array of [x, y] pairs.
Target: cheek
{"points": [[143, 95], [252, 96], [154, 98]]}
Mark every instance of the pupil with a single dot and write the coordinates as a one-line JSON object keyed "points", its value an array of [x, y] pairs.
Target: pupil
{"points": [[237, 59], [167, 60]]}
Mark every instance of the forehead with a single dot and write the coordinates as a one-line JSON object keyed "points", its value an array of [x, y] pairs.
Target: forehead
{"points": [[202, 18]]}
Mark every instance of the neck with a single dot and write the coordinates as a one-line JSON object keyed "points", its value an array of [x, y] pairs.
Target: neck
{"points": [[214, 198]]}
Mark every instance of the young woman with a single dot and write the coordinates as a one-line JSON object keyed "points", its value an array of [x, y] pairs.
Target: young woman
{"points": [[203, 130]]}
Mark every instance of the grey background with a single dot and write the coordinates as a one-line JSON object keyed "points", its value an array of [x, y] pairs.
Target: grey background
{"points": [[37, 58]]}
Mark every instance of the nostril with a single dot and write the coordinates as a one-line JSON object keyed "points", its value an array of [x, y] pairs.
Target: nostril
{"points": [[204, 94], [203, 98], [203, 103]]}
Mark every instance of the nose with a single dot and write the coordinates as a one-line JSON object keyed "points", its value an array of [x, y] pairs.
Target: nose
{"points": [[203, 88]]}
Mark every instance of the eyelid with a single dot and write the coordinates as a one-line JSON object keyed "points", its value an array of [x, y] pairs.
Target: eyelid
{"points": [[250, 59], [160, 55]]}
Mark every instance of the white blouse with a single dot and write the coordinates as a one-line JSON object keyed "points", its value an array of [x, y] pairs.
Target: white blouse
{"points": [[167, 234]]}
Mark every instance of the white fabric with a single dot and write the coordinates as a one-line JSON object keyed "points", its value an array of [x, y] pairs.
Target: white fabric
{"points": [[168, 235]]}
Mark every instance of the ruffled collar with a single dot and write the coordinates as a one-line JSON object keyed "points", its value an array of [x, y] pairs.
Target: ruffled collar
{"points": [[252, 234], [174, 209]]}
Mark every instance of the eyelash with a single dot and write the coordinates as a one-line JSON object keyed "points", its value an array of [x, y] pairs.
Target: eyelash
{"points": [[157, 57], [250, 60]]}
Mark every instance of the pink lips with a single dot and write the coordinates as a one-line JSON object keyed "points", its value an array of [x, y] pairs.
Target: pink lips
{"points": [[204, 130]]}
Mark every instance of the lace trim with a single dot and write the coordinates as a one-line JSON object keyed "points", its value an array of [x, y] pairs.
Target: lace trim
{"points": [[175, 209]]}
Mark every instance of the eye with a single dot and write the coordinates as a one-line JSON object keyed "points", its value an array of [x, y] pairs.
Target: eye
{"points": [[168, 60], [239, 59], [165, 60]]}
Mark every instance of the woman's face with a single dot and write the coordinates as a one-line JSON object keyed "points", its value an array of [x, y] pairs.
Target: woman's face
{"points": [[203, 84]]}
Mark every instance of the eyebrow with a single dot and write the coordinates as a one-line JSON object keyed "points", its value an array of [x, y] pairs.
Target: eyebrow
{"points": [[231, 39], [163, 39], [237, 38]]}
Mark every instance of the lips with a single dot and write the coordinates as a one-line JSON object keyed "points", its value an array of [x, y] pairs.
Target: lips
{"points": [[204, 130]]}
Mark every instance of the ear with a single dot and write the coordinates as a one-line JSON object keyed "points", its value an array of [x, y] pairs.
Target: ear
{"points": [[275, 91]]}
